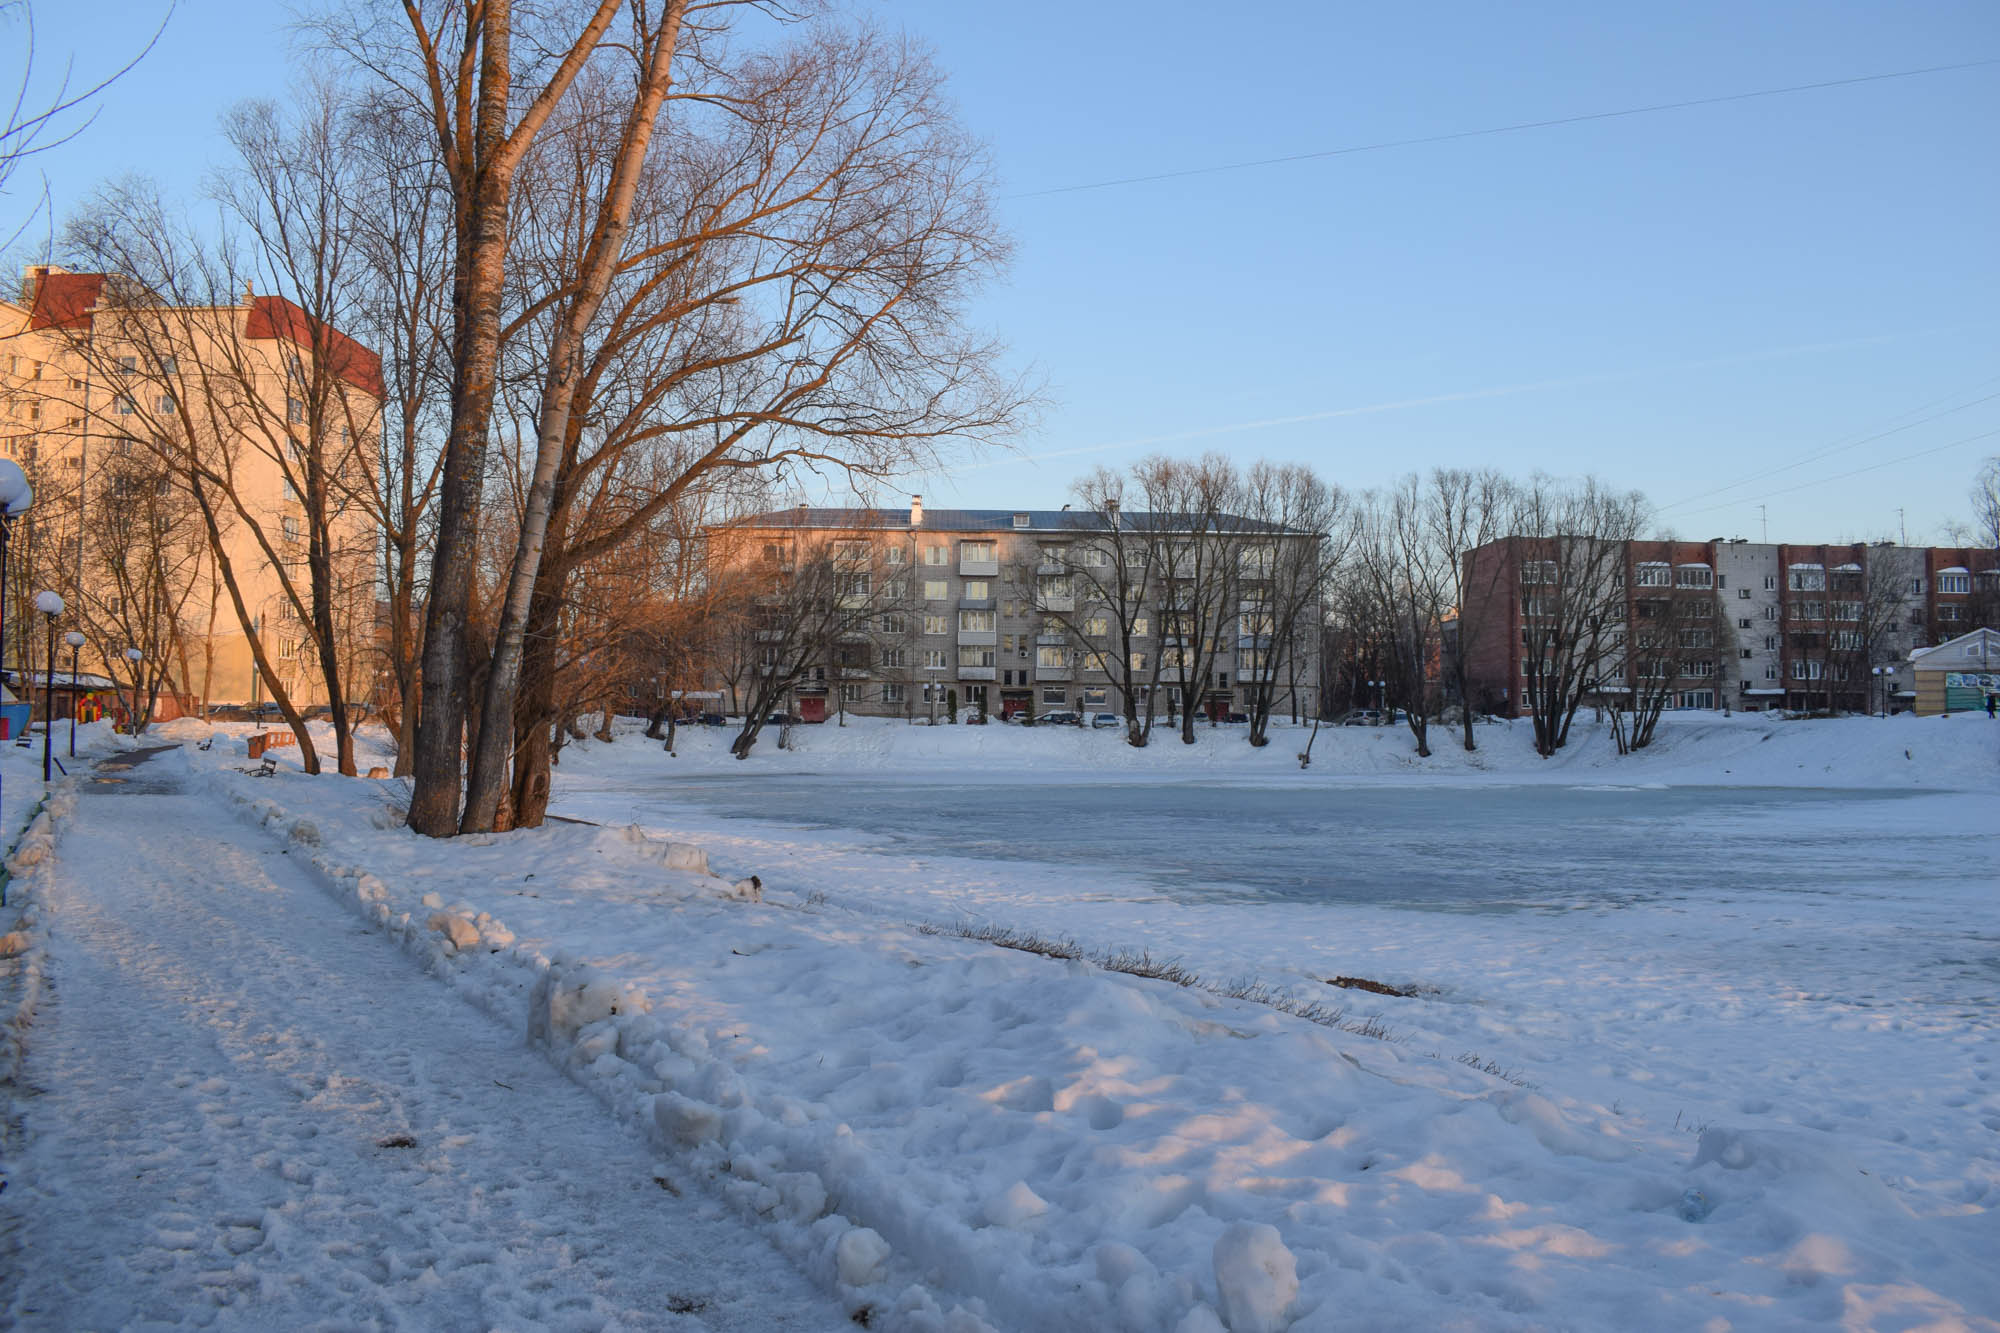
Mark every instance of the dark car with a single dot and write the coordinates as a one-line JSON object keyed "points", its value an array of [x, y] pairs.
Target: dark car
{"points": [[783, 719], [1061, 718], [710, 720], [1236, 719]]}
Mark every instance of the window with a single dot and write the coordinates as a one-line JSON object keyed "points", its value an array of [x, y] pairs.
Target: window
{"points": [[1802, 670], [166, 405], [1743, 594], [1055, 696], [125, 405], [1052, 656], [1655, 574], [853, 585], [1954, 581], [1771, 671], [1847, 640], [1697, 638], [1138, 663], [1951, 612], [1847, 610], [1808, 611], [295, 411], [893, 657], [128, 365], [170, 365], [1534, 606], [935, 624], [1096, 557], [292, 528], [1055, 557], [1916, 587], [978, 590], [1770, 613], [1722, 580], [977, 657], [893, 555], [1094, 696], [937, 555], [1140, 627], [1701, 667], [1746, 654], [850, 693], [892, 693], [1538, 571], [1744, 623], [1770, 643], [933, 659], [934, 590], [975, 622], [977, 551], [1770, 583], [1807, 578], [291, 491], [1096, 627], [1694, 576], [895, 623], [1020, 520]]}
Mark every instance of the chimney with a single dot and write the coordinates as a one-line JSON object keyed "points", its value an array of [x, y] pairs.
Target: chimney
{"points": [[916, 511]]}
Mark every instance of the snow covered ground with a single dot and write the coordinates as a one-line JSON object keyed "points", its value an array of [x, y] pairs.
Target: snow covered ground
{"points": [[1756, 1093]]}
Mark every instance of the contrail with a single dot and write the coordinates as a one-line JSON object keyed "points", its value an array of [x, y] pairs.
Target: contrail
{"points": [[1434, 400]]}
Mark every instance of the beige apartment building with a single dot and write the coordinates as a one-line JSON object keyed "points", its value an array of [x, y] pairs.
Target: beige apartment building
{"points": [[99, 385], [1006, 612]]}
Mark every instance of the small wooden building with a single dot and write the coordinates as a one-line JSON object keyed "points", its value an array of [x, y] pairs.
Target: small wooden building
{"points": [[1957, 675]]}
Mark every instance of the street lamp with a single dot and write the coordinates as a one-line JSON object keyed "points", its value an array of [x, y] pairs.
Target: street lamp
{"points": [[49, 604], [1885, 677], [134, 656], [15, 497], [75, 641]]}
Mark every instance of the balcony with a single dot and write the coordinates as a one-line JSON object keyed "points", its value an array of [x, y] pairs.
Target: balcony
{"points": [[975, 603], [978, 638], [851, 673], [1057, 603], [978, 673], [1054, 672], [1051, 568], [1056, 640], [978, 569]]}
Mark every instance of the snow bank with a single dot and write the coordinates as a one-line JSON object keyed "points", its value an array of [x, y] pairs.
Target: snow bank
{"points": [[24, 941], [1694, 748], [959, 1136]]}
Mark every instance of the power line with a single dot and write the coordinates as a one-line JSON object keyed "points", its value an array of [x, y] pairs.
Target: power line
{"points": [[1872, 467], [1842, 447], [1503, 129]]}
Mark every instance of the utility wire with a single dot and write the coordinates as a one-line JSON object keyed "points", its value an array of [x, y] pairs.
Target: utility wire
{"points": [[1872, 467], [1503, 129], [1842, 447]]}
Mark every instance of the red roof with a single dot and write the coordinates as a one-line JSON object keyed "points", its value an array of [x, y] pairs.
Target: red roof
{"points": [[63, 300], [275, 317]]}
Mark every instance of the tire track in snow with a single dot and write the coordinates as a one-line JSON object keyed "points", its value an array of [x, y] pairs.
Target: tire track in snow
{"points": [[217, 1101]]}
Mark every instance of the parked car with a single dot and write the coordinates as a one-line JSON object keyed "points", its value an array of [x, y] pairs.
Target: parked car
{"points": [[783, 719], [1062, 718], [1106, 722], [1363, 717], [1236, 719], [710, 720]]}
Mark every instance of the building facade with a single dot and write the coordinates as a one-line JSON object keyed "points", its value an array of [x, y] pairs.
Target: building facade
{"points": [[98, 386], [1005, 612], [1733, 624]]}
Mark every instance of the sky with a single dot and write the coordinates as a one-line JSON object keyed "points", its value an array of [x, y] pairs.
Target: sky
{"points": [[1774, 315]]}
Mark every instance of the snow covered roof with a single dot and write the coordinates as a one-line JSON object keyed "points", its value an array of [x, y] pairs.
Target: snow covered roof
{"points": [[1954, 569], [1762, 691], [1806, 566], [1847, 569], [1980, 642]]}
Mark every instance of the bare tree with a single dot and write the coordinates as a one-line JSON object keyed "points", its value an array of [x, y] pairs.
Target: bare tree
{"points": [[1402, 582], [790, 295], [1105, 576], [1299, 532], [1196, 543], [1568, 542], [1463, 511]]}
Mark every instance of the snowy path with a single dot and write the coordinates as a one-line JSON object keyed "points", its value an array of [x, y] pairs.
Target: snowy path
{"points": [[246, 1110]]}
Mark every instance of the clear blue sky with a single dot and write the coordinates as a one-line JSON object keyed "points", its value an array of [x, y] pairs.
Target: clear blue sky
{"points": [[1675, 301]]}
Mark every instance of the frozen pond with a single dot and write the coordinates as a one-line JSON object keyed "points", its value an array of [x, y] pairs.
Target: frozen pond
{"points": [[1467, 848]]}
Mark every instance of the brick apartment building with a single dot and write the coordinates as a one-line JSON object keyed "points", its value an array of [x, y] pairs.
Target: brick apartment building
{"points": [[1754, 625], [995, 607]]}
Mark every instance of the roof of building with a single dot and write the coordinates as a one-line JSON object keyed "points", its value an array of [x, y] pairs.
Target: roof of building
{"points": [[64, 300], [276, 317], [996, 520], [1959, 646]]}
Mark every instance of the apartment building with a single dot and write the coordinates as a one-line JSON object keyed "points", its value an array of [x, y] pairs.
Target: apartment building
{"points": [[1730, 623], [91, 370], [1005, 611]]}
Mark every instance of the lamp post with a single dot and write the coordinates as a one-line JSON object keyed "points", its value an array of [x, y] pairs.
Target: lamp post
{"points": [[134, 656], [49, 604], [15, 497], [75, 641]]}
